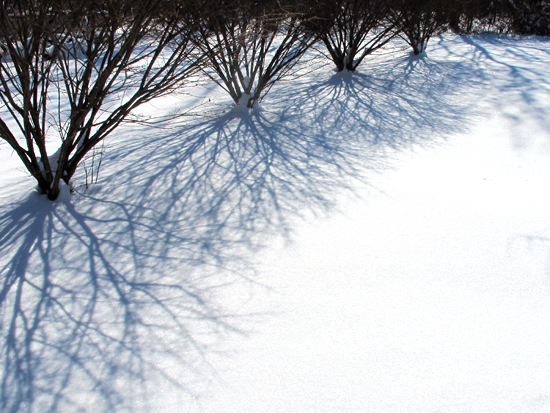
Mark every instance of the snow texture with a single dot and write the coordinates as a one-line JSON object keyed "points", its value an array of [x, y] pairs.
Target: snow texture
{"points": [[376, 241]]}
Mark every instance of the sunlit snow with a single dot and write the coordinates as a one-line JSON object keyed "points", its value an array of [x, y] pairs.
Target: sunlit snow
{"points": [[376, 241]]}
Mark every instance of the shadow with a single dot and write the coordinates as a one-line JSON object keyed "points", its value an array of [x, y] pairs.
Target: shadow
{"points": [[244, 176], [398, 102], [252, 172], [517, 72], [107, 294], [96, 307]]}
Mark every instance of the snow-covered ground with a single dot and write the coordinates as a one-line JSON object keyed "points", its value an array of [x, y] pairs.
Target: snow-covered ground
{"points": [[375, 242]]}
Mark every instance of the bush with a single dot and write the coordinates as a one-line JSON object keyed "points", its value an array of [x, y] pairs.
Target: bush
{"points": [[350, 29], [419, 20], [250, 45], [74, 71]]}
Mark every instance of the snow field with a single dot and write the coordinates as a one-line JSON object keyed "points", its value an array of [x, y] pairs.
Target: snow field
{"points": [[414, 273]]}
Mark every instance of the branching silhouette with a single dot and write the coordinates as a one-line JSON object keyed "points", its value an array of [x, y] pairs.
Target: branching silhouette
{"points": [[102, 298], [398, 103], [95, 302]]}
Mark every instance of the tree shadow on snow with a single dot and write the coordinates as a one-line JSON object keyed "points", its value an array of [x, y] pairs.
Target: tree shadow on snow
{"points": [[98, 305], [105, 295], [251, 172], [395, 103], [516, 75]]}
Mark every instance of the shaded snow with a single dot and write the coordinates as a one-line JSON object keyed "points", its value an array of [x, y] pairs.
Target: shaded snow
{"points": [[376, 241]]}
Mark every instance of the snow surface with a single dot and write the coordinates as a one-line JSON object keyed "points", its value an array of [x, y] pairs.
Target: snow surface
{"points": [[367, 242]]}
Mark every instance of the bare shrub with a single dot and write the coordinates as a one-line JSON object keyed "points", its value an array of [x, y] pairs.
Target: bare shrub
{"points": [[74, 71], [250, 46], [350, 29]]}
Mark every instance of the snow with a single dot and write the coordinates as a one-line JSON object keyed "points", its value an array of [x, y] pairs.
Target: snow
{"points": [[242, 106], [376, 241]]}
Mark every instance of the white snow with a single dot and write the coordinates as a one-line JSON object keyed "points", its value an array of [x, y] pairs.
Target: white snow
{"points": [[242, 105], [381, 239]]}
